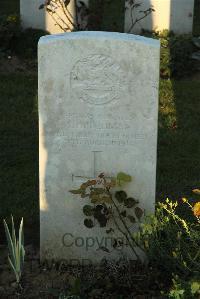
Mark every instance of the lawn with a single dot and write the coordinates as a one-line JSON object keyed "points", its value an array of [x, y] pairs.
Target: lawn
{"points": [[177, 174], [178, 135], [19, 147], [178, 142]]}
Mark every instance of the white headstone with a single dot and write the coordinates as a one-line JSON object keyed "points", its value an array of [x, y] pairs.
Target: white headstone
{"points": [[33, 17], [173, 15], [98, 110]]}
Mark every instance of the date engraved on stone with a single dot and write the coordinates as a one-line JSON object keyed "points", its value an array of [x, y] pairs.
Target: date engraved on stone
{"points": [[97, 79]]}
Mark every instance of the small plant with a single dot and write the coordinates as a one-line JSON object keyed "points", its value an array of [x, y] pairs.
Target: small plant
{"points": [[10, 29], [176, 54], [16, 249], [172, 245], [74, 291], [196, 207], [184, 289], [107, 206]]}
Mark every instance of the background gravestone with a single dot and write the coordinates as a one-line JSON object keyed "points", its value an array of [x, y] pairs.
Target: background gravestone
{"points": [[172, 15], [98, 108], [106, 15]]}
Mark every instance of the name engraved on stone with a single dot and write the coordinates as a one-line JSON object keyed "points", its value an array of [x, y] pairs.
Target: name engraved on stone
{"points": [[81, 130], [97, 79], [96, 124]]}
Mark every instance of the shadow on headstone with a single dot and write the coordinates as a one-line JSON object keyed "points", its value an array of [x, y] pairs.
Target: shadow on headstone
{"points": [[138, 18]]}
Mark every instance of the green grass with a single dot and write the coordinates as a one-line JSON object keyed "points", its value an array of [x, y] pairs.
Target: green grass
{"points": [[19, 147], [178, 139], [178, 148]]}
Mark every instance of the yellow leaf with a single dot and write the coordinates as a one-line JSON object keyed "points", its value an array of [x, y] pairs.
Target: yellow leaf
{"points": [[146, 244], [121, 176], [196, 191], [106, 199], [196, 209], [184, 199]]}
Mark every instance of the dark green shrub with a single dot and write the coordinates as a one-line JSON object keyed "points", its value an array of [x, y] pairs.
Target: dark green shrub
{"points": [[16, 41], [178, 60], [172, 244], [10, 29], [25, 44], [176, 51]]}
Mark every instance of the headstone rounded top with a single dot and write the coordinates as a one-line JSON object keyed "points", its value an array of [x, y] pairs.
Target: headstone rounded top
{"points": [[99, 35]]}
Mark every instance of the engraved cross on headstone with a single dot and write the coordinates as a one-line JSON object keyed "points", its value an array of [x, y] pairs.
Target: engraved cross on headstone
{"points": [[93, 175]]}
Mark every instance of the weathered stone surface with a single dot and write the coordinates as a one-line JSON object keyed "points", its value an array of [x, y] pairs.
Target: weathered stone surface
{"points": [[98, 108]]}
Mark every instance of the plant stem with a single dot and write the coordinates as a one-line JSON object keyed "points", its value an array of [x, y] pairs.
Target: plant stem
{"points": [[146, 13], [125, 226], [67, 13]]}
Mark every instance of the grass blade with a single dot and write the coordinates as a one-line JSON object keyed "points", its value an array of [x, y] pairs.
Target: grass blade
{"points": [[10, 244], [13, 232]]}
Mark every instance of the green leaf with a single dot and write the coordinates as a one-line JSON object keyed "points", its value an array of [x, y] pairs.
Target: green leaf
{"points": [[16, 249], [195, 287], [78, 191], [131, 218], [120, 196], [102, 220], [123, 213], [87, 184], [13, 232], [130, 202], [10, 244], [106, 199], [100, 214], [88, 210], [98, 191], [84, 195], [14, 270], [95, 198], [88, 223], [138, 212], [123, 177], [196, 191], [21, 229]]}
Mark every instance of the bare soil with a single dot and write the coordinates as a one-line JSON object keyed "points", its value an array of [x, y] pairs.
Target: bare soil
{"points": [[13, 64], [122, 280]]}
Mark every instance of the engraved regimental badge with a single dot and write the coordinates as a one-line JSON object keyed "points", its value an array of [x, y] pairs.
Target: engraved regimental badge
{"points": [[97, 79]]}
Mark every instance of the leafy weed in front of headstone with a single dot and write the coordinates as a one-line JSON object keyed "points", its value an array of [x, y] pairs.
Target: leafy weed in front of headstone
{"points": [[107, 205]]}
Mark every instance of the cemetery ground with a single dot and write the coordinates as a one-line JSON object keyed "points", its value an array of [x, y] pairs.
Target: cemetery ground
{"points": [[177, 174], [178, 138]]}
